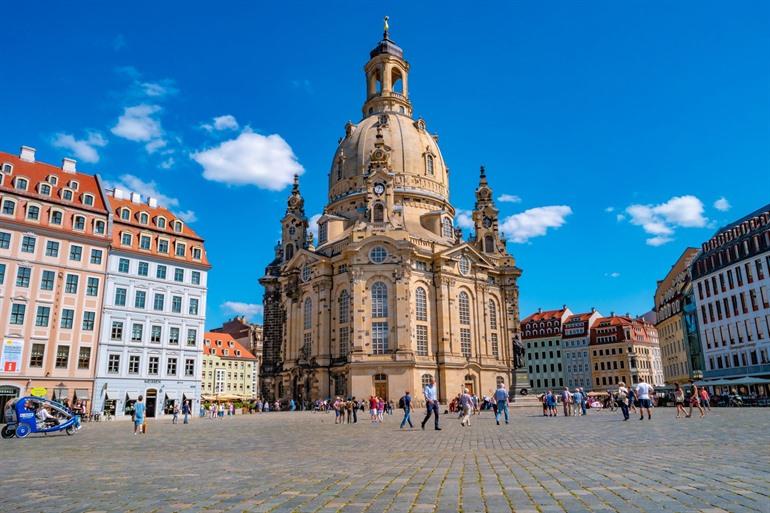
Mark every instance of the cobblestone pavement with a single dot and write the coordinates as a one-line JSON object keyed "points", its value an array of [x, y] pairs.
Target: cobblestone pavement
{"points": [[302, 462]]}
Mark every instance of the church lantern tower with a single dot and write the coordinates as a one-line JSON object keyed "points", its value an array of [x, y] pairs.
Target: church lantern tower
{"points": [[486, 219], [387, 85]]}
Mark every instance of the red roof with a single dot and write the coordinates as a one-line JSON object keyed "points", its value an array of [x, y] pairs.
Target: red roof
{"points": [[216, 343], [548, 315]]}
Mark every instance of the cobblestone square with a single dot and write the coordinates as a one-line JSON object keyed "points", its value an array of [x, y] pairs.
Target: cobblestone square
{"points": [[303, 462]]}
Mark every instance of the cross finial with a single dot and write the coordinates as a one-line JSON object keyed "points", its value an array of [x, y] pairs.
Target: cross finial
{"points": [[387, 28], [483, 172]]}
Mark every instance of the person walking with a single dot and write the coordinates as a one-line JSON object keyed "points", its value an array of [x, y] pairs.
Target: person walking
{"points": [[705, 399], [355, 409], [550, 401], [566, 402], [431, 403], [577, 398], [186, 412], [695, 401], [373, 409], [175, 413], [466, 404], [633, 400], [623, 399], [679, 401], [643, 392], [139, 409], [583, 400], [405, 403], [380, 409], [501, 402]]}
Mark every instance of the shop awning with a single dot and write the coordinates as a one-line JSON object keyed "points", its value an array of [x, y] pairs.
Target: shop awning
{"points": [[82, 394], [59, 394], [132, 395], [172, 395]]}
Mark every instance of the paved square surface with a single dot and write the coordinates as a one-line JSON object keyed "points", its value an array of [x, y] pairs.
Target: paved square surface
{"points": [[302, 462]]}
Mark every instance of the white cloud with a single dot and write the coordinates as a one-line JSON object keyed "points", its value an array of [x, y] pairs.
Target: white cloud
{"points": [[149, 189], [722, 204], [188, 216], [612, 275], [534, 222], [220, 123], [609, 209], [266, 161], [138, 123], [620, 217], [663, 219], [464, 219], [508, 198], [247, 309], [157, 89], [83, 149], [313, 225]]}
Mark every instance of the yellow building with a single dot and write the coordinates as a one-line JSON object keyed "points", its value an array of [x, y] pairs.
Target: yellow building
{"points": [[669, 304], [228, 367], [391, 295]]}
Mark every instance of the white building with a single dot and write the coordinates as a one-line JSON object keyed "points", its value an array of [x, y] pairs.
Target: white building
{"points": [[576, 336], [153, 321]]}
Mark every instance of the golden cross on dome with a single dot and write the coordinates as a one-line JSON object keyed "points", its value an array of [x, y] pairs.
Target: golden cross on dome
{"points": [[387, 27]]}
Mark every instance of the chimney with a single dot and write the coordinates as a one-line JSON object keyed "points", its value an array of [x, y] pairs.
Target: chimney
{"points": [[539, 310], [563, 307], [593, 309], [628, 314], [153, 202], [118, 193], [69, 165], [612, 314], [27, 154], [136, 197]]}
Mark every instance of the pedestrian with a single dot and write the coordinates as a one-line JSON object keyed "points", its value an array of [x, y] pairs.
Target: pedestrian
{"points": [[705, 399], [679, 401], [466, 404], [139, 409], [577, 398], [186, 412], [175, 414], [550, 400], [405, 403], [633, 400], [355, 409], [373, 409], [545, 404], [501, 402], [623, 399], [583, 400], [431, 403], [566, 402], [380, 409], [695, 401], [643, 392], [292, 405]]}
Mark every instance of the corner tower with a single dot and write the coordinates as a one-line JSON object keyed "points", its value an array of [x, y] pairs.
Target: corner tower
{"points": [[486, 219], [294, 225]]}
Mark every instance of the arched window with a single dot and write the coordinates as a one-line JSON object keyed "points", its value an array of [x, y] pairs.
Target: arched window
{"points": [[378, 214], [492, 315], [421, 304], [307, 314], [56, 217], [125, 214], [289, 253], [446, 228], [464, 307], [489, 244], [344, 307], [429, 164], [323, 233], [379, 300], [79, 223], [144, 218]]}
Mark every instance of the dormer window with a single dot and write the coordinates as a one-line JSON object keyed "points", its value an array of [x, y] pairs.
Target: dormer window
{"points": [[237, 352], [177, 226], [56, 217], [161, 222], [162, 246], [44, 189], [88, 199], [7, 168], [225, 352], [125, 239], [67, 195], [125, 214], [230, 343], [144, 218], [79, 223], [206, 342], [181, 249], [219, 343], [33, 212], [53, 180], [99, 227], [196, 253], [144, 242], [21, 184], [73, 185]]}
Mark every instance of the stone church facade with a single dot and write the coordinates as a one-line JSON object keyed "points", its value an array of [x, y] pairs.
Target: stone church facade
{"points": [[390, 295]]}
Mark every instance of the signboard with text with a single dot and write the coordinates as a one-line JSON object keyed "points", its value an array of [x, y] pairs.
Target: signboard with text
{"points": [[10, 356]]}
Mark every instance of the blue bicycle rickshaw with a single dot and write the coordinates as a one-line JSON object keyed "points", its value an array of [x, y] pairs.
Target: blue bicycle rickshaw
{"points": [[22, 418]]}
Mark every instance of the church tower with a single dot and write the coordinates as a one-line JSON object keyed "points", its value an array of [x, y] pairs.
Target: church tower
{"points": [[294, 225], [486, 219], [387, 86]]}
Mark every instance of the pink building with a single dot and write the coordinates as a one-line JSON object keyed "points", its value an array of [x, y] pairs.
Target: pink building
{"points": [[54, 245]]}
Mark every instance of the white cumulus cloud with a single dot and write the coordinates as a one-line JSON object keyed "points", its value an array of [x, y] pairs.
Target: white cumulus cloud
{"points": [[534, 222], [266, 161], [612, 275], [83, 149], [722, 204], [220, 123], [313, 225], [464, 219], [509, 198], [663, 219], [140, 123], [132, 183], [188, 216], [609, 209], [247, 309]]}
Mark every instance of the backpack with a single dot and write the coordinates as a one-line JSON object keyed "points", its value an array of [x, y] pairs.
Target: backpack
{"points": [[401, 403]]}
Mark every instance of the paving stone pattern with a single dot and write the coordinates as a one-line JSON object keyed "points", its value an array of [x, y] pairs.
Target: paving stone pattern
{"points": [[302, 462]]}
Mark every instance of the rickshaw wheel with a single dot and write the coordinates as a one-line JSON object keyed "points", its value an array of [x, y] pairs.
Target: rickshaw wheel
{"points": [[69, 430], [22, 430], [8, 432]]}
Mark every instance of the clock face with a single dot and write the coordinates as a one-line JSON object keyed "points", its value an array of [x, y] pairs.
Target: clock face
{"points": [[379, 189], [487, 222]]}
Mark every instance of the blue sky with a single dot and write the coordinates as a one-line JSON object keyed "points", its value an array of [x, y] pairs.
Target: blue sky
{"points": [[616, 125]]}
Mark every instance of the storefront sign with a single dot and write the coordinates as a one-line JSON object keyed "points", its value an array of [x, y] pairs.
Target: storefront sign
{"points": [[10, 359], [38, 392]]}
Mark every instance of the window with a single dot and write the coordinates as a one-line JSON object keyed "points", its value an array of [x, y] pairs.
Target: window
{"points": [[464, 307], [2, 274], [492, 315], [344, 340], [79, 223], [140, 299], [88, 200], [96, 256], [465, 342], [193, 306], [189, 367], [495, 345], [465, 265], [62, 356], [43, 316], [176, 304], [9, 207], [137, 330], [177, 226], [76, 253], [155, 334], [57, 217], [344, 307], [22, 276], [33, 212], [125, 239], [421, 304], [162, 246], [73, 184], [160, 272], [144, 242], [180, 249], [323, 233], [71, 284], [178, 274], [429, 164], [446, 228], [426, 378], [195, 278], [143, 269], [67, 318], [28, 244], [120, 296], [173, 336], [123, 265], [36, 356], [84, 358], [125, 214], [192, 335], [306, 273], [171, 367], [307, 314], [196, 253], [161, 222], [144, 218], [378, 213], [5, 240], [152, 365], [379, 300], [379, 337], [17, 314], [45, 189], [378, 254], [92, 287], [117, 331], [133, 363], [113, 364], [21, 184], [88, 321], [422, 340], [158, 302]]}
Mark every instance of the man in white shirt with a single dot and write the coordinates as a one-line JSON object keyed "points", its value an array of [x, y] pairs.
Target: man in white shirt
{"points": [[644, 392], [431, 403], [501, 401]]}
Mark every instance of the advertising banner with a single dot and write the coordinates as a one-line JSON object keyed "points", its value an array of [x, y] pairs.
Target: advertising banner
{"points": [[10, 356]]}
